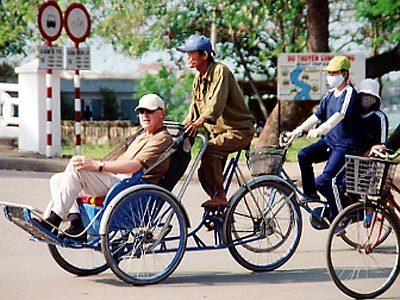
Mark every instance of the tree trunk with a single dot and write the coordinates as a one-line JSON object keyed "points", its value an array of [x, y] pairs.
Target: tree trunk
{"points": [[291, 113], [317, 22], [378, 65]]}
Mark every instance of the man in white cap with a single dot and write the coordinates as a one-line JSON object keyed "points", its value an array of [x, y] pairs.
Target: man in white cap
{"points": [[219, 106], [84, 175]]}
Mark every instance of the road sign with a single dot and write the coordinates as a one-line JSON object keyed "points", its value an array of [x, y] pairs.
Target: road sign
{"points": [[51, 58], [77, 22], [300, 76], [50, 20], [78, 58]]}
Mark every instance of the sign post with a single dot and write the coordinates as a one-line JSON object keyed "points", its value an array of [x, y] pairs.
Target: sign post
{"points": [[50, 26], [77, 26]]}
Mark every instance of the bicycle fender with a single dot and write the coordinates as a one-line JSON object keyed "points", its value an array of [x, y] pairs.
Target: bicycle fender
{"points": [[117, 198], [271, 178]]}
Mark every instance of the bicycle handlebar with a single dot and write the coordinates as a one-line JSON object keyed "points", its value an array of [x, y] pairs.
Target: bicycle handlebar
{"points": [[374, 152], [286, 139]]}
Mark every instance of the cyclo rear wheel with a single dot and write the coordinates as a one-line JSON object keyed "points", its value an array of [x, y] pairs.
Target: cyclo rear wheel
{"points": [[368, 266], [263, 224]]}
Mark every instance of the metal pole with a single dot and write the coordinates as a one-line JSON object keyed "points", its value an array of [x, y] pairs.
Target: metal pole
{"points": [[49, 95], [77, 85]]}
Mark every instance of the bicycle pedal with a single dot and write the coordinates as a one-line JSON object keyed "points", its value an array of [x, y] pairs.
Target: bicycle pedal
{"points": [[209, 225]]}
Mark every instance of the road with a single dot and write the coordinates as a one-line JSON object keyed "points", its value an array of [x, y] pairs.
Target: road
{"points": [[27, 270]]}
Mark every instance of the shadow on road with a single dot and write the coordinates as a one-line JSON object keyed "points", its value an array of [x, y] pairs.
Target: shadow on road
{"points": [[216, 279]]}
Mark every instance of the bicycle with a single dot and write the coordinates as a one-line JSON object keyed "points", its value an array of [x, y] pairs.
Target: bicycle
{"points": [[140, 231], [367, 266]]}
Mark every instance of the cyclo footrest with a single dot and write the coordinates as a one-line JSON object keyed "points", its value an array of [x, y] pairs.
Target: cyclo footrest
{"points": [[20, 215]]}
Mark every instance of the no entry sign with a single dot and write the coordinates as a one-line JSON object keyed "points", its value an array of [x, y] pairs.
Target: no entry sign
{"points": [[77, 22], [50, 20]]}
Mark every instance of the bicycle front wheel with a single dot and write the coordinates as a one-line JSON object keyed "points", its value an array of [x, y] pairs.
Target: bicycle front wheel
{"points": [[83, 261], [368, 266], [263, 225]]}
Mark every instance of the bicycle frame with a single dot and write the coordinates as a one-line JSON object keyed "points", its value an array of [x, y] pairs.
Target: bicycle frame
{"points": [[304, 200]]}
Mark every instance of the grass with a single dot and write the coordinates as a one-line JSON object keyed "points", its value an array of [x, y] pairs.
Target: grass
{"points": [[93, 151], [99, 151]]}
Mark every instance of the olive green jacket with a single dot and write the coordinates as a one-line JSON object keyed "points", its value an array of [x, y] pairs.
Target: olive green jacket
{"points": [[218, 98]]}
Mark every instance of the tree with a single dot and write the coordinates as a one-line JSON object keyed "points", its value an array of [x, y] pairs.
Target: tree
{"points": [[172, 86], [250, 35], [289, 113], [17, 18], [111, 110], [384, 14]]}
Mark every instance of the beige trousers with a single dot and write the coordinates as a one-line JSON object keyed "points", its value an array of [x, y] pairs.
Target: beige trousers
{"points": [[65, 187]]}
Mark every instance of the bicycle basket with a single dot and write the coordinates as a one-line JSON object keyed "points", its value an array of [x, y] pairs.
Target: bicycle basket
{"points": [[369, 176], [265, 160]]}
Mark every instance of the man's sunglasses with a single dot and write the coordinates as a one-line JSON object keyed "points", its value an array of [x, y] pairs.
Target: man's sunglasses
{"points": [[144, 110]]}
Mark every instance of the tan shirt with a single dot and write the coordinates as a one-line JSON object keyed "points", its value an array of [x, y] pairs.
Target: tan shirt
{"points": [[218, 98], [147, 149]]}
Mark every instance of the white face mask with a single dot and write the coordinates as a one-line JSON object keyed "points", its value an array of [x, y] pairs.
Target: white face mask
{"points": [[367, 100], [335, 81]]}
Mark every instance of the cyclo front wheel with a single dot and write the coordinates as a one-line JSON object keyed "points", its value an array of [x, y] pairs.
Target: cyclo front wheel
{"points": [[263, 224], [369, 266], [82, 261], [145, 236]]}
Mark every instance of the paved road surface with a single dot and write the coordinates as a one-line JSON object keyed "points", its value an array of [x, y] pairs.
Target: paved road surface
{"points": [[27, 270]]}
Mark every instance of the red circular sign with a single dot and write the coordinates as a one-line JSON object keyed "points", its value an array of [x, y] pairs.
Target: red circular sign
{"points": [[50, 20], [77, 22]]}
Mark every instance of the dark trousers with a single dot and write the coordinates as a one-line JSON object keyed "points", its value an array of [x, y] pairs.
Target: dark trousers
{"points": [[316, 153], [215, 155]]}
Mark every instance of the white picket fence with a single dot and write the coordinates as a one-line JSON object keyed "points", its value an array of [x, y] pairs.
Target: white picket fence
{"points": [[8, 104]]}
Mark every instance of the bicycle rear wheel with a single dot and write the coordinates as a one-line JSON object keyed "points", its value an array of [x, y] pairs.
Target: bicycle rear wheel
{"points": [[145, 238], [369, 266], [263, 225]]}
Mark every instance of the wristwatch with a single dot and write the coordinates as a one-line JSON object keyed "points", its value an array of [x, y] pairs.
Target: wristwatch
{"points": [[101, 166]]}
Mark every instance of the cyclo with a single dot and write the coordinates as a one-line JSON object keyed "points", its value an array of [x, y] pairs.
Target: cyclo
{"points": [[141, 231]]}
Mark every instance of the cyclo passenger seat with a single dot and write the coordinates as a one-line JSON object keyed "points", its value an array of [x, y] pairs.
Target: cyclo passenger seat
{"points": [[180, 152]]}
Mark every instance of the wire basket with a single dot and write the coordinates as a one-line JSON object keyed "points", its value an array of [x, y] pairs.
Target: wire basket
{"points": [[266, 160], [368, 176]]}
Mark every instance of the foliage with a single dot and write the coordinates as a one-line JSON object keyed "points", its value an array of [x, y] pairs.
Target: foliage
{"points": [[250, 34], [372, 24], [173, 87], [382, 19], [16, 19], [110, 104]]}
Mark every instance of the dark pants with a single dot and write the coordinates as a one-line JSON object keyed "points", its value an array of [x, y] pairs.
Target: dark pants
{"points": [[316, 153]]}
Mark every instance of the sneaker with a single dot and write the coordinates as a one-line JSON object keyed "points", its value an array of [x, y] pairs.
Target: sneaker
{"points": [[341, 227]]}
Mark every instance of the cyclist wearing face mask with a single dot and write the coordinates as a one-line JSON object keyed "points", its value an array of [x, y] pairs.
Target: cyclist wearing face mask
{"points": [[374, 122], [339, 115], [374, 129]]}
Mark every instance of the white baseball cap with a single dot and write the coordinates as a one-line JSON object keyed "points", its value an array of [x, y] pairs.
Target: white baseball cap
{"points": [[370, 86], [150, 102]]}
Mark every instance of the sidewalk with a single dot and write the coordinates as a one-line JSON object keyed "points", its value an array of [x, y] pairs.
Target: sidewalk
{"points": [[14, 159]]}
